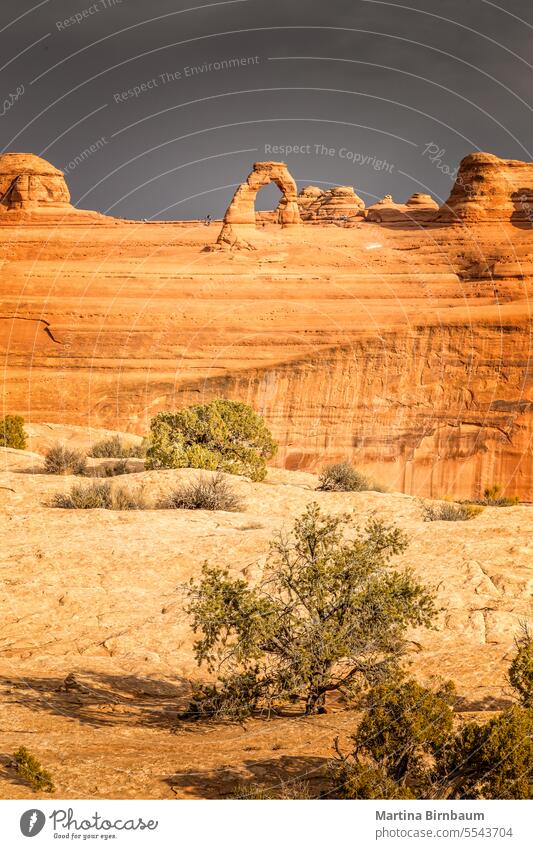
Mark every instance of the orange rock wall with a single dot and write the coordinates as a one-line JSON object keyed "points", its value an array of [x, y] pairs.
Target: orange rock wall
{"points": [[402, 347]]}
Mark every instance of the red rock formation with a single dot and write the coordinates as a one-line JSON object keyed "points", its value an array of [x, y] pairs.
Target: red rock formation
{"points": [[490, 189], [405, 349], [29, 182], [339, 203], [419, 208]]}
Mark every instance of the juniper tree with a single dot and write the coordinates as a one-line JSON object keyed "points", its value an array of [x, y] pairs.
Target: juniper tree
{"points": [[330, 614]]}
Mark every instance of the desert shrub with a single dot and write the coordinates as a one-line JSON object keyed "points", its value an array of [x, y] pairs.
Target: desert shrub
{"points": [[361, 781], [115, 447], [115, 469], [520, 672], [100, 495], [29, 768], [330, 615], [492, 497], [402, 731], [406, 747], [449, 512], [490, 761], [123, 498], [12, 433], [294, 789], [60, 460], [223, 435], [205, 493], [343, 477]]}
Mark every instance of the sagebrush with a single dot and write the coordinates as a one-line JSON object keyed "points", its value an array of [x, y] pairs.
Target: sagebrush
{"points": [[343, 477], [449, 512], [117, 448], [100, 496], [206, 493], [60, 460]]}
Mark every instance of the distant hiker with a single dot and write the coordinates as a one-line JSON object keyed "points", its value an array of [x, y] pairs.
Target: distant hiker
{"points": [[207, 220]]}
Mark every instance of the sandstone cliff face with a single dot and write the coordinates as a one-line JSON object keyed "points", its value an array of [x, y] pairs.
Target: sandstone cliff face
{"points": [[404, 346]]}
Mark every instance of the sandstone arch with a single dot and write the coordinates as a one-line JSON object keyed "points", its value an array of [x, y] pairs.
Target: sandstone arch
{"points": [[242, 207]]}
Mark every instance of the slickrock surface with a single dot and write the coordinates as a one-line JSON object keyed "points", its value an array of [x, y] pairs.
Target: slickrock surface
{"points": [[95, 650], [404, 346]]}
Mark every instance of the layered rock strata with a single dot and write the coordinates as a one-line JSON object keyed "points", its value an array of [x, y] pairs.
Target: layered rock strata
{"points": [[405, 349]]}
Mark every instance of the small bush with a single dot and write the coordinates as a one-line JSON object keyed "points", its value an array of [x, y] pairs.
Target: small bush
{"points": [[116, 448], [60, 460], [227, 436], [99, 496], [115, 469], [449, 512], [493, 760], [403, 729], [206, 493], [520, 672], [287, 790], [492, 497], [343, 477], [12, 433], [29, 768]]}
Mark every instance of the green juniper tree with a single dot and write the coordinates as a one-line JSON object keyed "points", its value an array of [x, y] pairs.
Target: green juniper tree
{"points": [[227, 436], [330, 614]]}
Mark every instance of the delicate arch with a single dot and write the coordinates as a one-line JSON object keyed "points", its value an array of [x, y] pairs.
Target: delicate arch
{"points": [[242, 207]]}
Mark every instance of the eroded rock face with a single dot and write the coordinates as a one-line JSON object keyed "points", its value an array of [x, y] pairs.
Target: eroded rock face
{"points": [[490, 189], [418, 209], [337, 204], [405, 349], [29, 182]]}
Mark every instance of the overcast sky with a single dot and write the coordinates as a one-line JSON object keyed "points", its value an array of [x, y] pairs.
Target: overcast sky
{"points": [[361, 87]]}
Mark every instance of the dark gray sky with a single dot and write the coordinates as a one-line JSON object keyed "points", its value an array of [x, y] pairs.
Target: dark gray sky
{"points": [[361, 86]]}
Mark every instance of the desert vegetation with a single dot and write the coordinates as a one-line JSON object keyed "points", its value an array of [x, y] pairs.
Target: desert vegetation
{"points": [[31, 770], [12, 433], [100, 495], [408, 746], [60, 460], [223, 435], [343, 477], [116, 448], [330, 616], [492, 497], [206, 493], [450, 512]]}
